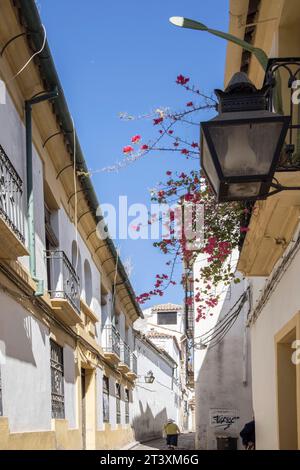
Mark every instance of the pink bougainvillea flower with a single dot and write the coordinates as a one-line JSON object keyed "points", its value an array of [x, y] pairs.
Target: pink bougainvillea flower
{"points": [[135, 139], [190, 103], [181, 80], [157, 121], [127, 149], [144, 147]]}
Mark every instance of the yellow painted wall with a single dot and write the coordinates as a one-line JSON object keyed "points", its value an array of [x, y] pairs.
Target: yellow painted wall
{"points": [[114, 439]]}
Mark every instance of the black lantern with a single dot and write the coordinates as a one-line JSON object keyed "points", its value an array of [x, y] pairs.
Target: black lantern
{"points": [[241, 147], [149, 378]]}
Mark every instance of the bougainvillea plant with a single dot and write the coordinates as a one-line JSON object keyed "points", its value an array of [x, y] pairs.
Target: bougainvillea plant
{"points": [[222, 222]]}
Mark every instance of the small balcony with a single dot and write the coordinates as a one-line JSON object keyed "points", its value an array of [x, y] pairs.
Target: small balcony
{"points": [[190, 379], [124, 365], [63, 287], [12, 241], [133, 372], [111, 342]]}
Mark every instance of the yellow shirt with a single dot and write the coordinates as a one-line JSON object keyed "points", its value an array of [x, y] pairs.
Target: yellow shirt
{"points": [[171, 428]]}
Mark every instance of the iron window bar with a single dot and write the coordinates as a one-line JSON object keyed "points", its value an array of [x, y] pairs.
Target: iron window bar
{"points": [[125, 354], [118, 403], [68, 287], [291, 65], [105, 399], [112, 340], [57, 381], [126, 406], [11, 192]]}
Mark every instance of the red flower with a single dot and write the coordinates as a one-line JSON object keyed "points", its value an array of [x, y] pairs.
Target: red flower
{"points": [[184, 151], [157, 121], [194, 145], [181, 80], [169, 173], [127, 149], [176, 144], [171, 132], [144, 147], [190, 103], [135, 139]]}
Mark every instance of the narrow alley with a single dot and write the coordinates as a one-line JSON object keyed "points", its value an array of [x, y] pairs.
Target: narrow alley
{"points": [[186, 441]]}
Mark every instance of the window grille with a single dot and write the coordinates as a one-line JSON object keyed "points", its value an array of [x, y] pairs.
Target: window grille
{"points": [[118, 403], [126, 406], [57, 381], [105, 399]]}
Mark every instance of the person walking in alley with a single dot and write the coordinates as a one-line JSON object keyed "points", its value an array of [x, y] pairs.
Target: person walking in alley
{"points": [[171, 431]]}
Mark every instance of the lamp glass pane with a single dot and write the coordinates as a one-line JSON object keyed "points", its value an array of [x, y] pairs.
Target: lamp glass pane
{"points": [[246, 149], [209, 166], [243, 190]]}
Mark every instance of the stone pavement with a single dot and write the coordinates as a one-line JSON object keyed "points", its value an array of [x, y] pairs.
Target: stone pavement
{"points": [[186, 441]]}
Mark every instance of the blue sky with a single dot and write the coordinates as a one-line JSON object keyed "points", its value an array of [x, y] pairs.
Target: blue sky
{"points": [[124, 56]]}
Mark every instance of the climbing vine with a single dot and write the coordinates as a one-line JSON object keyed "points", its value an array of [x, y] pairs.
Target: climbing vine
{"points": [[222, 222]]}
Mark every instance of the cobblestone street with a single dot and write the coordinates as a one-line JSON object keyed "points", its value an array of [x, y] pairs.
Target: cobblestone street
{"points": [[186, 441]]}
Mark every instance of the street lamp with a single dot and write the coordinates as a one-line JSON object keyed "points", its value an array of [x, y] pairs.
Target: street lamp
{"points": [[149, 378], [241, 146]]}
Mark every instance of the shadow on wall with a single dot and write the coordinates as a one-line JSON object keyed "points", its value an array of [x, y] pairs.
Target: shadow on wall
{"points": [[16, 331], [146, 425], [224, 384]]}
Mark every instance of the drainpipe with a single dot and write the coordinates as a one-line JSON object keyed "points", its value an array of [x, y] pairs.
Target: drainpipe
{"points": [[30, 202]]}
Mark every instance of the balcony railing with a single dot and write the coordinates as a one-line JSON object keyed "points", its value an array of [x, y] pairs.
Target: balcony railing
{"points": [[11, 196], [133, 365], [64, 282], [112, 340], [125, 354]]}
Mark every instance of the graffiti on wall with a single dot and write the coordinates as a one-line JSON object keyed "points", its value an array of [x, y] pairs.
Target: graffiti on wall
{"points": [[223, 419]]}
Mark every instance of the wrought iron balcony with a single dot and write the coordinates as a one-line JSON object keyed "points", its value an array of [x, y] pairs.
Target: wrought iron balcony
{"points": [[125, 354], [111, 340], [63, 282], [124, 365], [132, 373], [12, 238]]}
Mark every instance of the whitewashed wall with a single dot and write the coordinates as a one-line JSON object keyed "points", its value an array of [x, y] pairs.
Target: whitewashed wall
{"points": [[153, 403], [25, 370], [222, 373], [282, 305]]}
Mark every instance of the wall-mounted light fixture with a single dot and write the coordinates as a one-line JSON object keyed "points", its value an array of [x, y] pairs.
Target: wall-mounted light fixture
{"points": [[248, 142]]}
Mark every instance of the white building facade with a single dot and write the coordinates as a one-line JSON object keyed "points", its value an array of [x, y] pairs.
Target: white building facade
{"points": [[165, 326], [154, 403], [223, 385], [67, 362]]}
